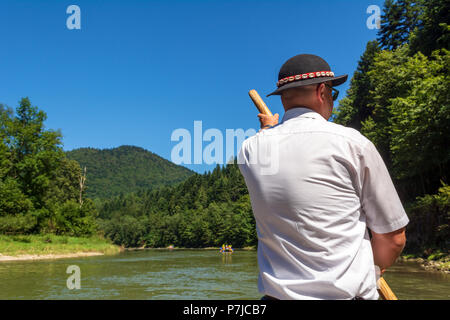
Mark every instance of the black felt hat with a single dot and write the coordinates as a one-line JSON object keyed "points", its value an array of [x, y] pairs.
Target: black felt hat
{"points": [[305, 69]]}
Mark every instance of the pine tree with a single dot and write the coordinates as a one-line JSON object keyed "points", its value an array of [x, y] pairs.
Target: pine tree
{"points": [[434, 31], [400, 18], [355, 107]]}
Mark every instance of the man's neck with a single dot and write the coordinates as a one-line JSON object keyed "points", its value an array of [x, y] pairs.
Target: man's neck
{"points": [[298, 106]]}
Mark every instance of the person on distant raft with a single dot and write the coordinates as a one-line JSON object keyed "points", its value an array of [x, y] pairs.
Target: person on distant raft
{"points": [[315, 189]]}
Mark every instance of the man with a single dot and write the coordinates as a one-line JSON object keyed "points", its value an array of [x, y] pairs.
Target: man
{"points": [[327, 185]]}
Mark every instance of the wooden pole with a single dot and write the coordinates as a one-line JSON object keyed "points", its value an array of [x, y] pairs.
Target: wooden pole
{"points": [[385, 291], [259, 103]]}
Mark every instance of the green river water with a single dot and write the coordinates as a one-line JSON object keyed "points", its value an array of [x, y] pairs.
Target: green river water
{"points": [[176, 274]]}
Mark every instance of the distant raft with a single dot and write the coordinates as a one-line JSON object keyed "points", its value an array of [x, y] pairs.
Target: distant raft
{"points": [[226, 248]]}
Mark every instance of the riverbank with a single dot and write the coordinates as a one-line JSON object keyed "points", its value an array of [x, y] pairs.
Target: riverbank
{"points": [[48, 256], [36, 247], [431, 263]]}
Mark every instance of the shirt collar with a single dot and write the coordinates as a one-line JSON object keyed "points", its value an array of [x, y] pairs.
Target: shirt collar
{"points": [[301, 112]]}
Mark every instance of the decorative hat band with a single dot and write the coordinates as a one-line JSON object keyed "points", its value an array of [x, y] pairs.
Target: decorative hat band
{"points": [[305, 76]]}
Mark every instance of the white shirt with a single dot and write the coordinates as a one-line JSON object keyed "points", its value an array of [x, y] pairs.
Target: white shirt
{"points": [[314, 187]]}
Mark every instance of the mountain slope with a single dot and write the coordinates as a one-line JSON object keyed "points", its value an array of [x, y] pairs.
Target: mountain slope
{"points": [[125, 169]]}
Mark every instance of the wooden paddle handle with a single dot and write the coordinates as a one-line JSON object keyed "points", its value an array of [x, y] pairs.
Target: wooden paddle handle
{"points": [[259, 103], [384, 290]]}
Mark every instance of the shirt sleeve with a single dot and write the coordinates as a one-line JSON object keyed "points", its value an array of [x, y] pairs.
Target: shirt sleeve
{"points": [[380, 202]]}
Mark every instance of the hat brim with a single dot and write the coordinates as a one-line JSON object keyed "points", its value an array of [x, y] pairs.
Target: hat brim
{"points": [[335, 81]]}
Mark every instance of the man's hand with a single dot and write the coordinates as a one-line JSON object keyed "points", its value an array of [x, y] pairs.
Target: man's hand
{"points": [[268, 120]]}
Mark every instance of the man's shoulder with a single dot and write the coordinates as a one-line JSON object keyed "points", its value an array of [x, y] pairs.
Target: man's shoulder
{"points": [[347, 133]]}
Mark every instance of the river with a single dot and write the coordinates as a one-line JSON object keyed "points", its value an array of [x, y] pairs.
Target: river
{"points": [[176, 274]]}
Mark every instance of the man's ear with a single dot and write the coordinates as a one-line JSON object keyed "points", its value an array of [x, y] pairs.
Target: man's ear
{"points": [[320, 92]]}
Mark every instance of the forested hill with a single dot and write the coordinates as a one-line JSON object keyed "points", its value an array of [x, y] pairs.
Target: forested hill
{"points": [[125, 169]]}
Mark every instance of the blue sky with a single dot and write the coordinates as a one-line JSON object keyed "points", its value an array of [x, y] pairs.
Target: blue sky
{"points": [[138, 70]]}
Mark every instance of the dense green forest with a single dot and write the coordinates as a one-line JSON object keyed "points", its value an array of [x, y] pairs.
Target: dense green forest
{"points": [[398, 97], [205, 210], [125, 169]]}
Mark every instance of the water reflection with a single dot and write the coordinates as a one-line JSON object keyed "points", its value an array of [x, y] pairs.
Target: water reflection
{"points": [[227, 257]]}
